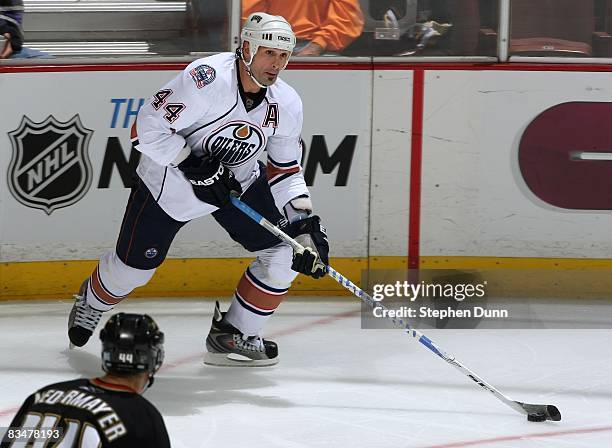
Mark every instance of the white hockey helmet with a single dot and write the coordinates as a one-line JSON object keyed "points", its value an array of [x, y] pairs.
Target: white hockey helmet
{"points": [[265, 30]]}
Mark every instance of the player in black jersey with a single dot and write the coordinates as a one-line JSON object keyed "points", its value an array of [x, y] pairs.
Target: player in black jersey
{"points": [[106, 412]]}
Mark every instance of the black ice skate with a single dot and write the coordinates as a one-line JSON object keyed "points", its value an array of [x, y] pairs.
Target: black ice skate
{"points": [[227, 346], [83, 319]]}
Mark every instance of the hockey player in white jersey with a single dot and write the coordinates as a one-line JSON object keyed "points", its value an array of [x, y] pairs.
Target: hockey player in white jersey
{"points": [[201, 136]]}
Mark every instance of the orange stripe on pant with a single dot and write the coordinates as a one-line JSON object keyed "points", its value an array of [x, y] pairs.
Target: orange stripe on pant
{"points": [[273, 171], [100, 292], [256, 297], [133, 131]]}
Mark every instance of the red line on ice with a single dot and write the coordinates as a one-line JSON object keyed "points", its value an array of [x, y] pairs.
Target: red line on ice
{"points": [[538, 435], [305, 326], [9, 411], [296, 329]]}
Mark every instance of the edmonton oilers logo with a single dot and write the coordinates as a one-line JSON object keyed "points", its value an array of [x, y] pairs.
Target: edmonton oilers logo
{"points": [[151, 252], [235, 143]]}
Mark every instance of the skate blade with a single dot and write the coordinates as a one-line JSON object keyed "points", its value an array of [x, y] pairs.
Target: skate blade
{"points": [[234, 360]]}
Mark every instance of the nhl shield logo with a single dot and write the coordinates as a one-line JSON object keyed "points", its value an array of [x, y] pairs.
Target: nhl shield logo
{"points": [[50, 166]]}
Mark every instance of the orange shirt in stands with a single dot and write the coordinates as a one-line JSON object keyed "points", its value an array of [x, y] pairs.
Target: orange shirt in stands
{"points": [[331, 24]]}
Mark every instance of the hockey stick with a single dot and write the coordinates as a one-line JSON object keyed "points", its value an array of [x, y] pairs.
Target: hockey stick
{"points": [[534, 412]]}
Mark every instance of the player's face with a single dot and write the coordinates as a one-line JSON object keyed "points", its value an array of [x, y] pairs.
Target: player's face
{"points": [[268, 63]]}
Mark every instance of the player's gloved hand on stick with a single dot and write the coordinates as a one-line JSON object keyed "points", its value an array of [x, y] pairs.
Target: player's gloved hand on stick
{"points": [[312, 235], [211, 181]]}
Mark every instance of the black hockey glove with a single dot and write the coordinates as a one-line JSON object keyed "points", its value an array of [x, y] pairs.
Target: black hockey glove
{"points": [[211, 181], [312, 235]]}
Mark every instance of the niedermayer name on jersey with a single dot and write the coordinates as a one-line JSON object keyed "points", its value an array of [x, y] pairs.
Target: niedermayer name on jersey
{"points": [[235, 143]]}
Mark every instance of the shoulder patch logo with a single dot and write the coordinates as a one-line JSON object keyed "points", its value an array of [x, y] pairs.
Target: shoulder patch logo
{"points": [[50, 167], [202, 75]]}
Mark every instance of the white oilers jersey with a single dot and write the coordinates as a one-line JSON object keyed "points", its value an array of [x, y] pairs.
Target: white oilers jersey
{"points": [[202, 109]]}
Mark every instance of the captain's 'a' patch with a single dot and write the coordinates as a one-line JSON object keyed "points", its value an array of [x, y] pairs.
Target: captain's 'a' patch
{"points": [[202, 75], [271, 116]]}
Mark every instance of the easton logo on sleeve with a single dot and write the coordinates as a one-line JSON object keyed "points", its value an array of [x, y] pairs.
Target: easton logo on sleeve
{"points": [[235, 143], [50, 167], [202, 75]]}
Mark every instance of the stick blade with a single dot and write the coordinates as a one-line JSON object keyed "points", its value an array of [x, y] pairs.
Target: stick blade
{"points": [[551, 412]]}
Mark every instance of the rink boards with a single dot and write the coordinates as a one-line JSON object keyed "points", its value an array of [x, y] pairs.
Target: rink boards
{"points": [[453, 166]]}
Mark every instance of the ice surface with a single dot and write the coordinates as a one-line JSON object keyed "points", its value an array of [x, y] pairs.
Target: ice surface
{"points": [[336, 384]]}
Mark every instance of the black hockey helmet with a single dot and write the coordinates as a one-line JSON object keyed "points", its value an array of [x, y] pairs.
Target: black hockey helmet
{"points": [[132, 343]]}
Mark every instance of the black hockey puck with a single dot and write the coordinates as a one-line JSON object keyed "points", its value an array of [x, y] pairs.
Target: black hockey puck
{"points": [[536, 417]]}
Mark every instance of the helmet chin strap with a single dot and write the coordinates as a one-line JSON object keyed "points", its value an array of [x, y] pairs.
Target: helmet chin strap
{"points": [[248, 68]]}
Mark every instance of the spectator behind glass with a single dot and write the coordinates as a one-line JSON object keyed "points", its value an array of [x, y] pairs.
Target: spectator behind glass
{"points": [[11, 12], [11, 32], [321, 26]]}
